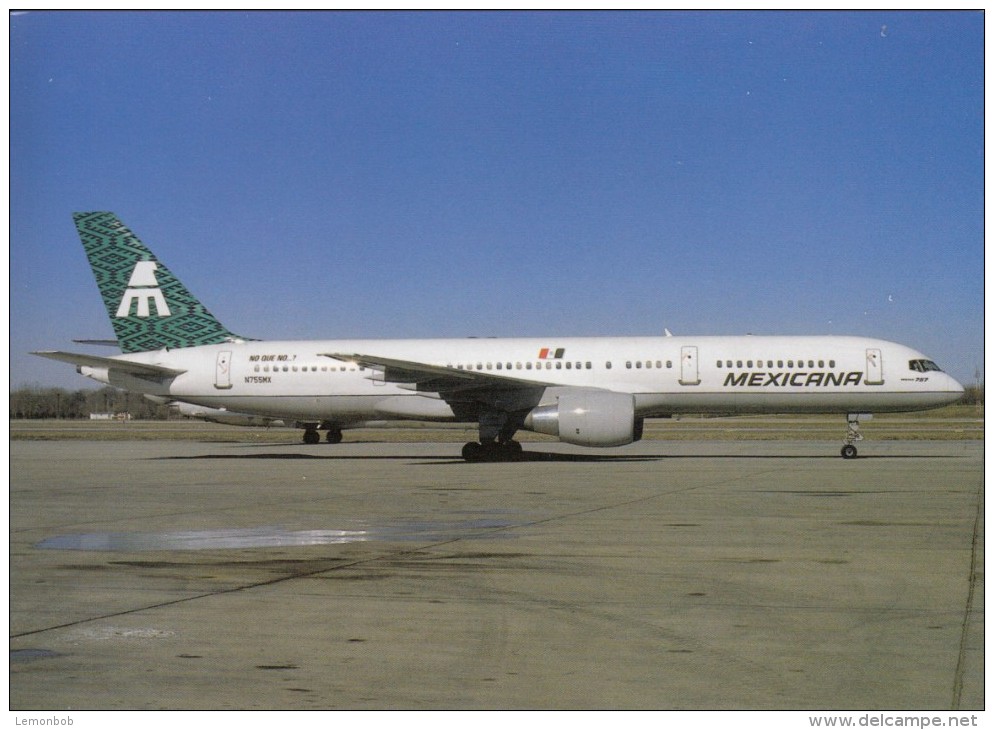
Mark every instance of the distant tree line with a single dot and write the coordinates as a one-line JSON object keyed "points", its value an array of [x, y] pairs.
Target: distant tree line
{"points": [[973, 395], [35, 401]]}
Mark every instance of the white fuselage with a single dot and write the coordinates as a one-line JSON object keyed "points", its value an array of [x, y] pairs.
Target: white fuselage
{"points": [[667, 375]]}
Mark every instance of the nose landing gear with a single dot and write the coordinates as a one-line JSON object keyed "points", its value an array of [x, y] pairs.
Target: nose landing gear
{"points": [[853, 434]]}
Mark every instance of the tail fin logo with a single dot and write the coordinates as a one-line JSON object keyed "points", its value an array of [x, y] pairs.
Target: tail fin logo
{"points": [[143, 288]]}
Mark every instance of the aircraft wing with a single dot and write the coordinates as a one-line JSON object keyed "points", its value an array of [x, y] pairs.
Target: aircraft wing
{"points": [[125, 366], [435, 378]]}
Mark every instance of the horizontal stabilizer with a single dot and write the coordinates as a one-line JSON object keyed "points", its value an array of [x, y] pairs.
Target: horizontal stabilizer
{"points": [[102, 343], [111, 363]]}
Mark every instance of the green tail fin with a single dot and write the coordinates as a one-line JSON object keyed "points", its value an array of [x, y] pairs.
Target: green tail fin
{"points": [[148, 306]]}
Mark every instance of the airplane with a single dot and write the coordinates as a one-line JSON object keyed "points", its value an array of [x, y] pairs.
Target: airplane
{"points": [[587, 391]]}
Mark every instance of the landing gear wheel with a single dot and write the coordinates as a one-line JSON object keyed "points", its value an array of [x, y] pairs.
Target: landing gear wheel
{"points": [[852, 434], [473, 451], [312, 437], [334, 436], [510, 450], [491, 451]]}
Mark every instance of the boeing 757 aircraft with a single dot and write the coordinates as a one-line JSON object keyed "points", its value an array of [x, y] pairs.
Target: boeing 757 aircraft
{"points": [[590, 391]]}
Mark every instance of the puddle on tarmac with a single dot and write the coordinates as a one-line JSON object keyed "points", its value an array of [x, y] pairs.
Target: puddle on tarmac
{"points": [[105, 633], [199, 539], [30, 655], [270, 537]]}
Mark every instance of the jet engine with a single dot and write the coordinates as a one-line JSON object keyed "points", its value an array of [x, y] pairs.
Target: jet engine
{"points": [[588, 418]]}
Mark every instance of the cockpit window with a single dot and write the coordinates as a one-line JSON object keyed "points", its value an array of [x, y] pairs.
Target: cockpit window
{"points": [[923, 366]]}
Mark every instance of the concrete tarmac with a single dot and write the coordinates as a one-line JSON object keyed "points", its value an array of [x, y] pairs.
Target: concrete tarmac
{"points": [[663, 575]]}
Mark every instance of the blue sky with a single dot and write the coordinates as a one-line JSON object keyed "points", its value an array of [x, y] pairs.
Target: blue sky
{"points": [[326, 175]]}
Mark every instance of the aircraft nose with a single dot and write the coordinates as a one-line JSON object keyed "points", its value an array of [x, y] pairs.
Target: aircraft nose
{"points": [[954, 388]]}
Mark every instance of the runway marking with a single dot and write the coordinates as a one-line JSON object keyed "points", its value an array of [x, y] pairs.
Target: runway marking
{"points": [[968, 612]]}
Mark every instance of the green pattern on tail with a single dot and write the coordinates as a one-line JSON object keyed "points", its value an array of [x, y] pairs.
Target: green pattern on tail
{"points": [[148, 306]]}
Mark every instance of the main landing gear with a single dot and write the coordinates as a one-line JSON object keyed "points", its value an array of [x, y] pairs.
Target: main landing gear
{"points": [[491, 451], [312, 436], [497, 429], [853, 434]]}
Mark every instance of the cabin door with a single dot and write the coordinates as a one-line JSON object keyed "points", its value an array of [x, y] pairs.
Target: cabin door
{"points": [[874, 367], [222, 372], [689, 374]]}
